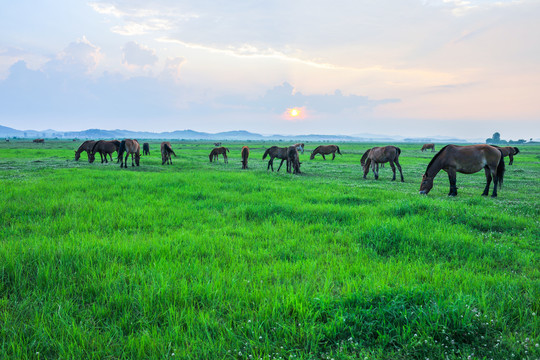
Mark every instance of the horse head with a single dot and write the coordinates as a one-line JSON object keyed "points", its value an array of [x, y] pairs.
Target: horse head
{"points": [[77, 156], [426, 185], [91, 157]]}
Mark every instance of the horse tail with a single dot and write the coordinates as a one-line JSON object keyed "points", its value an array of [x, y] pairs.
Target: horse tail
{"points": [[516, 151], [227, 149], [364, 157], [266, 153], [398, 150], [339, 152], [500, 169], [94, 147]]}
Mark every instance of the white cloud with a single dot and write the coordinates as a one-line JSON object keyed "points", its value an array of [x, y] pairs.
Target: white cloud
{"points": [[79, 57], [172, 69], [134, 54]]}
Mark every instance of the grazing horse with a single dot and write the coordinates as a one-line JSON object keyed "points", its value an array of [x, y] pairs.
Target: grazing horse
{"points": [[381, 155], [166, 151], [466, 160], [325, 150], [218, 144], [214, 154], [293, 160], [245, 155], [39, 141], [146, 149], [104, 148], [427, 147], [85, 146], [129, 146], [275, 152], [299, 147], [510, 152]]}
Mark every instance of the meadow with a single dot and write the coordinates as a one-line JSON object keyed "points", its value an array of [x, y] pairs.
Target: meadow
{"points": [[202, 260]]}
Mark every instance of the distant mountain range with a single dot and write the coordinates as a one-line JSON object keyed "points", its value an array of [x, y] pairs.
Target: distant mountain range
{"points": [[196, 135]]}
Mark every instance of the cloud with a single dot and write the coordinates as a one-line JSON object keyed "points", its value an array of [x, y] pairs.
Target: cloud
{"points": [[79, 57], [172, 68], [283, 97], [134, 54]]}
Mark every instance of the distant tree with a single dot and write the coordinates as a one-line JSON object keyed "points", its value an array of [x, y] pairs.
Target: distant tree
{"points": [[496, 137]]}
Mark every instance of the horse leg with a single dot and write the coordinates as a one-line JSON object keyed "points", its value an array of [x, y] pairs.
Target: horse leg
{"points": [[495, 176], [393, 170], [132, 162], [323, 157], [269, 163], [106, 161], [452, 180], [126, 159], [333, 155], [282, 160], [375, 169], [101, 156], [511, 157], [226, 159], [488, 181], [399, 168]]}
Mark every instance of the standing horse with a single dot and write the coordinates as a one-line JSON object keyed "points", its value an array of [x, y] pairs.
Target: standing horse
{"points": [[299, 147], [39, 141], [129, 146], [104, 148], [85, 146], [245, 155], [166, 151], [325, 150], [275, 152], [466, 160], [381, 155], [214, 154], [146, 149], [510, 152], [293, 160], [427, 147]]}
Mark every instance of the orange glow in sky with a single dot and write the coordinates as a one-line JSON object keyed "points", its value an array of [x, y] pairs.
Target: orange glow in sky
{"points": [[296, 113]]}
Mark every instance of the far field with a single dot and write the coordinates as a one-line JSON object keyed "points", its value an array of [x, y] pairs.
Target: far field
{"points": [[202, 260]]}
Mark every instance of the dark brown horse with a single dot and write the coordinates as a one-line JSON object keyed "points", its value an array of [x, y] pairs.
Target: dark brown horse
{"points": [[166, 151], [510, 152], [245, 155], [85, 146], [39, 141], [293, 160], [381, 155], [275, 152], [427, 147], [129, 146], [214, 154], [146, 149], [104, 148], [299, 147], [325, 150], [466, 160]]}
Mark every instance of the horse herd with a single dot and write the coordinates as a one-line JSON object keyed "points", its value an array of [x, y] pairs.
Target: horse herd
{"points": [[452, 159]]}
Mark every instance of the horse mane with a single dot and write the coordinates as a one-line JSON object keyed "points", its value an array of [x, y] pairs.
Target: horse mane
{"points": [[122, 148], [95, 144], [436, 157], [364, 157], [267, 152]]}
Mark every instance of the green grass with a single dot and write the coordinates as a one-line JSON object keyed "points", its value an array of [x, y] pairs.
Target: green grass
{"points": [[208, 261]]}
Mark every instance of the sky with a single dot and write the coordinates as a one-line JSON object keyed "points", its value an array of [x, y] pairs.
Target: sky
{"points": [[395, 67]]}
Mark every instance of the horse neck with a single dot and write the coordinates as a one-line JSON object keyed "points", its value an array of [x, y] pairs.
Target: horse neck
{"points": [[434, 167]]}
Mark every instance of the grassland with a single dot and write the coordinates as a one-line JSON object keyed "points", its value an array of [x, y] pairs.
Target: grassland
{"points": [[201, 260]]}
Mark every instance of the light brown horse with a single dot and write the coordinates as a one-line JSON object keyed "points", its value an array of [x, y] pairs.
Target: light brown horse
{"points": [[293, 160], [245, 156], [299, 147], [381, 155], [466, 160], [104, 148], [275, 152], [166, 151], [510, 152], [427, 147], [85, 146], [129, 146], [325, 150], [214, 154]]}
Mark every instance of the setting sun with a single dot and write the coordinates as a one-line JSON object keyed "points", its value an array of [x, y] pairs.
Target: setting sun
{"points": [[294, 112]]}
